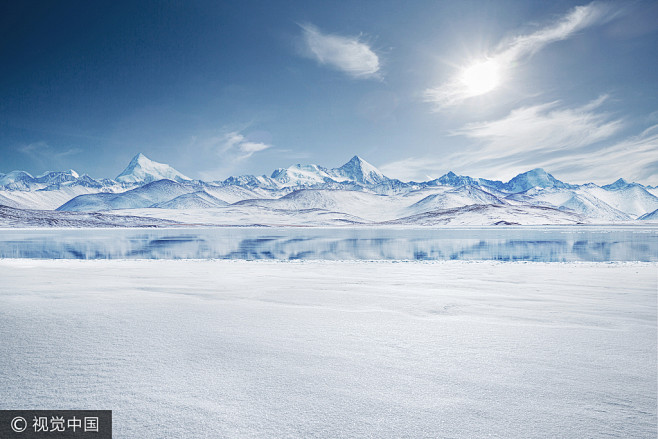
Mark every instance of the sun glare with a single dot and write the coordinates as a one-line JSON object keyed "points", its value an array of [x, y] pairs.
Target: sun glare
{"points": [[481, 78]]}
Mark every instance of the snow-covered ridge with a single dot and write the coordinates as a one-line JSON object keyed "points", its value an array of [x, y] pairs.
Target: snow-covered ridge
{"points": [[10, 217], [354, 193], [356, 170]]}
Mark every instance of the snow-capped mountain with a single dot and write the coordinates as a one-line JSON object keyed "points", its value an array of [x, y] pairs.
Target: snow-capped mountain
{"points": [[363, 205], [619, 184], [143, 196], [458, 197], [301, 175], [251, 181], [632, 199], [356, 170], [650, 217], [522, 182], [82, 180], [57, 177], [12, 217], [17, 181], [535, 178], [24, 181], [143, 170], [452, 179], [594, 208], [359, 171], [354, 193], [194, 200], [578, 200]]}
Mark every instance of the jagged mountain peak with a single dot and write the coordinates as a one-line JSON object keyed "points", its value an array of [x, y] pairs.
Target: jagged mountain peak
{"points": [[538, 173], [141, 169], [619, 184], [70, 173], [537, 177], [452, 179], [356, 170], [304, 175], [17, 180], [360, 171], [356, 160]]}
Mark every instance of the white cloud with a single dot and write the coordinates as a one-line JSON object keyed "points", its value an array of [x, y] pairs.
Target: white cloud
{"points": [[542, 129], [577, 145], [414, 168], [634, 159], [46, 155], [239, 147], [533, 136], [579, 18], [348, 54], [456, 90], [225, 152]]}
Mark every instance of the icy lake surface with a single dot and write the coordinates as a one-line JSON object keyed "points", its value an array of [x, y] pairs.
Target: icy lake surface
{"points": [[541, 244]]}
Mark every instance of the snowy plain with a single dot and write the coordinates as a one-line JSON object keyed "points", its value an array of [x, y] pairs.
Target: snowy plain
{"points": [[186, 349]]}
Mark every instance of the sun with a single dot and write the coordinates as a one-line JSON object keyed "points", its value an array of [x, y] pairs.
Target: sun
{"points": [[481, 78]]}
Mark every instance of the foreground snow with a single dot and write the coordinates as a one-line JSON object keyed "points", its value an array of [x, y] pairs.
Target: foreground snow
{"points": [[331, 349]]}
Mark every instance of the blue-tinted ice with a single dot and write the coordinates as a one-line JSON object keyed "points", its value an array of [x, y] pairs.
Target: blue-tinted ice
{"points": [[552, 244]]}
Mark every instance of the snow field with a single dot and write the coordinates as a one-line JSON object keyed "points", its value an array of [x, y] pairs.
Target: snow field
{"points": [[335, 349]]}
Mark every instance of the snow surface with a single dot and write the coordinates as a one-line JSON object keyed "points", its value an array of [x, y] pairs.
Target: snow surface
{"points": [[454, 198], [194, 200], [632, 200], [276, 213], [556, 205], [159, 191], [265, 349], [491, 214], [43, 199], [12, 218], [651, 216], [244, 216]]}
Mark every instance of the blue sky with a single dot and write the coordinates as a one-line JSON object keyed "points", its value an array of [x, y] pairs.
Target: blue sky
{"points": [[487, 89]]}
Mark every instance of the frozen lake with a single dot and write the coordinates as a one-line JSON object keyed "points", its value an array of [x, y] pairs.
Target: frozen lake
{"points": [[541, 244]]}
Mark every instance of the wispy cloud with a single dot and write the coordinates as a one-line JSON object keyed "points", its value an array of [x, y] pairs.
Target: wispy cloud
{"points": [[576, 144], [45, 155], [544, 128], [414, 168], [461, 87], [577, 19], [348, 54], [230, 149], [534, 136], [634, 158], [236, 144]]}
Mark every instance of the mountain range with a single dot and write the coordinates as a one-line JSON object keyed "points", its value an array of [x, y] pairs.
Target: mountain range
{"points": [[355, 193]]}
